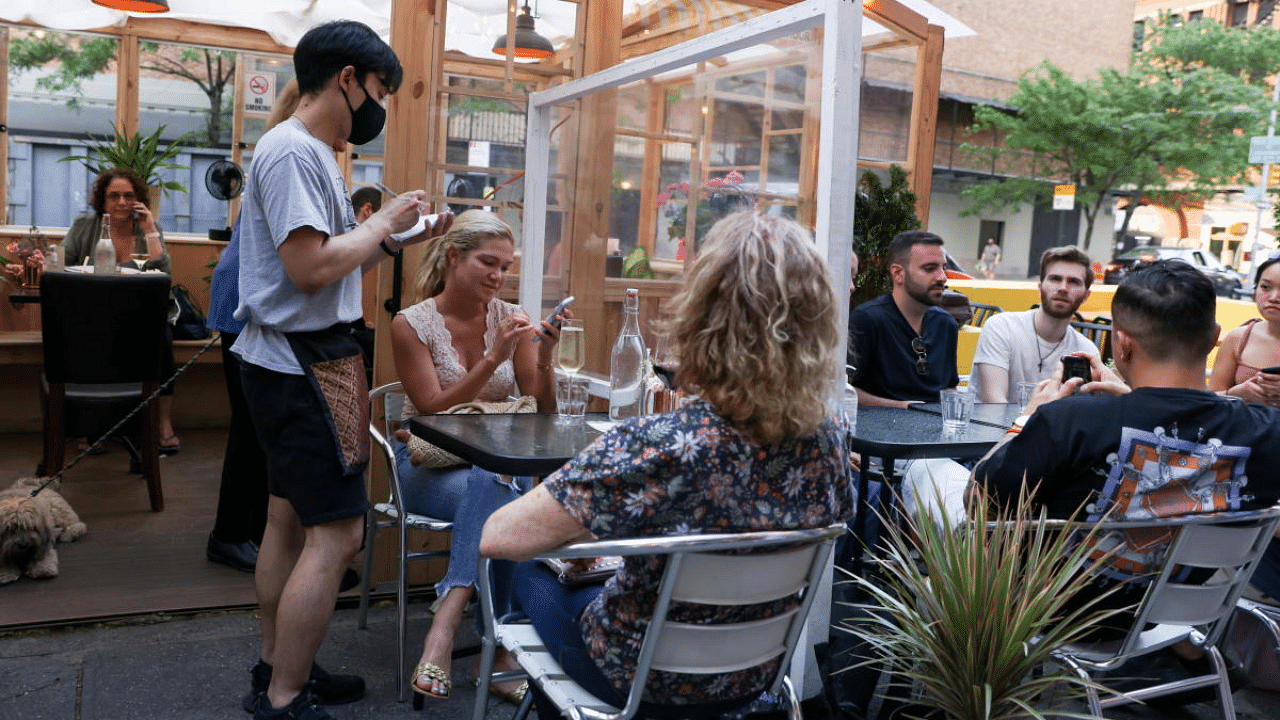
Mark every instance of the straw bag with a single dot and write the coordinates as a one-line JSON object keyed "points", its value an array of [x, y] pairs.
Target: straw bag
{"points": [[433, 456]]}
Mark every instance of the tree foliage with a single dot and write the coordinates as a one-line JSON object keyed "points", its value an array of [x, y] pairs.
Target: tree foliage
{"points": [[68, 60], [1177, 121], [880, 212]]}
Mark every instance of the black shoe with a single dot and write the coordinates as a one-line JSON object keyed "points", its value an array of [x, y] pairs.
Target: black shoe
{"points": [[302, 707], [241, 556], [326, 689], [350, 579]]}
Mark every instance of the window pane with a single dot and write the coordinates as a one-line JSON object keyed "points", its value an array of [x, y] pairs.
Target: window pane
{"points": [[62, 89]]}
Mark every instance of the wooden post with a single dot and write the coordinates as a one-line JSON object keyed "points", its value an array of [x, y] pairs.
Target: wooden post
{"points": [[4, 123], [417, 38], [127, 58], [924, 120], [588, 229]]}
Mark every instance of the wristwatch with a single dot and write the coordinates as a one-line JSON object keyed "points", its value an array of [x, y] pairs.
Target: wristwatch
{"points": [[1019, 423]]}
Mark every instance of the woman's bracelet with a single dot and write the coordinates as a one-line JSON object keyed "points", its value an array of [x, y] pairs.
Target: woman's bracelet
{"points": [[543, 366], [387, 250], [150, 235]]}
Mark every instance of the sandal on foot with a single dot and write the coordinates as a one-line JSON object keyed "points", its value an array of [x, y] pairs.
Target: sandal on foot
{"points": [[515, 697], [169, 445], [433, 674]]}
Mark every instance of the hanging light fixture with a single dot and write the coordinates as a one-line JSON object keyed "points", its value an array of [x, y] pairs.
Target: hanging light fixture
{"points": [[529, 44], [142, 6]]}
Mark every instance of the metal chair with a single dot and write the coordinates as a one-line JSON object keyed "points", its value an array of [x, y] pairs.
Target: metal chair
{"points": [[103, 337], [382, 422], [982, 312], [782, 564], [1174, 608], [1099, 333]]}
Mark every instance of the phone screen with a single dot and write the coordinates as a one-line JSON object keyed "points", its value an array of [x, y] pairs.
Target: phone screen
{"points": [[1075, 366]]}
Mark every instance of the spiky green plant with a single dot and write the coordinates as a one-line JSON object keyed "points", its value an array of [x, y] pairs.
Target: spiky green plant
{"points": [[141, 154], [965, 619]]}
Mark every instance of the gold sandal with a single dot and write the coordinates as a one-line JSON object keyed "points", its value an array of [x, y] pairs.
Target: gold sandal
{"points": [[432, 672], [515, 696]]}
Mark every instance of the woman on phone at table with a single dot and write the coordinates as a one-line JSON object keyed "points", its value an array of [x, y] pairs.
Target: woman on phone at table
{"points": [[461, 344], [119, 199], [755, 332], [1248, 351]]}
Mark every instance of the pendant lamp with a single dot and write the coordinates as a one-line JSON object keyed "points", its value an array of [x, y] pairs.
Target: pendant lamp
{"points": [[529, 44], [141, 6]]}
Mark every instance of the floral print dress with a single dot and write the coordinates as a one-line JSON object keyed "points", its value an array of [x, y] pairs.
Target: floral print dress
{"points": [[687, 472]]}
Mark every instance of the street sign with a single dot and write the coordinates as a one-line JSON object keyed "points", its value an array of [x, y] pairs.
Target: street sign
{"points": [[1264, 149], [1064, 197], [1253, 193], [259, 93]]}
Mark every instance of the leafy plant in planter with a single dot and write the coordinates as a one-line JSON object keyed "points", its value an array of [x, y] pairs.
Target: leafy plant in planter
{"points": [[142, 155], [880, 212], [965, 619]]}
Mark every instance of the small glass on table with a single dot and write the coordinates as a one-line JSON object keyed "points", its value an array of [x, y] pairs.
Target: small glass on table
{"points": [[139, 259], [957, 408]]}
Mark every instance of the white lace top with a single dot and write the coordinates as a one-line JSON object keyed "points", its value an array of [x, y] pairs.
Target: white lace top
{"points": [[429, 325]]}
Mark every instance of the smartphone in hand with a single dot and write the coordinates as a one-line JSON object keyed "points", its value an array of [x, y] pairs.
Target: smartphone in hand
{"points": [[1075, 366], [1273, 370], [552, 318]]}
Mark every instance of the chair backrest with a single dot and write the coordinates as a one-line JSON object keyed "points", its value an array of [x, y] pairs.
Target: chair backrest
{"points": [[385, 405], [1224, 545], [982, 312], [103, 328], [764, 566], [1099, 334]]}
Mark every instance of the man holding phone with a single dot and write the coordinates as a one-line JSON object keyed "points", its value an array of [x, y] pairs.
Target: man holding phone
{"points": [[1018, 347]]}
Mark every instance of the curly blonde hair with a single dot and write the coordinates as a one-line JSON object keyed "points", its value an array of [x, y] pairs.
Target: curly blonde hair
{"points": [[468, 231], [755, 327]]}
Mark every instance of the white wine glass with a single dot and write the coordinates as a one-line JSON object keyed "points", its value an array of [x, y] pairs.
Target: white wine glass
{"points": [[571, 353], [139, 259]]}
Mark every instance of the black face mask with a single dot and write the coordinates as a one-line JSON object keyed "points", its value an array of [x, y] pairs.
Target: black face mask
{"points": [[366, 120]]}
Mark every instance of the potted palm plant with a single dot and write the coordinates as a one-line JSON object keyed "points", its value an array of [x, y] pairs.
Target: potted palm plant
{"points": [[964, 620], [141, 154]]}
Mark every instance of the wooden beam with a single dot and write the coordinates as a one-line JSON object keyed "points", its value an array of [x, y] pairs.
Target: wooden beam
{"points": [[127, 57], [898, 18], [924, 120], [4, 121], [588, 229]]}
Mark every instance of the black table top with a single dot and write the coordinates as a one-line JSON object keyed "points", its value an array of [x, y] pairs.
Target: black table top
{"points": [[516, 444], [997, 415], [905, 434]]}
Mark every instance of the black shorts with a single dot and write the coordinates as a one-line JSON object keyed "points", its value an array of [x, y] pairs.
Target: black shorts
{"points": [[303, 458]]}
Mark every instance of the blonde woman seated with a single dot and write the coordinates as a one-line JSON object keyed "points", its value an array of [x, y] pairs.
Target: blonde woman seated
{"points": [[460, 344], [756, 334]]}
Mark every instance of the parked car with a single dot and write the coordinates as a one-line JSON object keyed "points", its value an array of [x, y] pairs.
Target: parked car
{"points": [[1226, 282], [954, 270]]}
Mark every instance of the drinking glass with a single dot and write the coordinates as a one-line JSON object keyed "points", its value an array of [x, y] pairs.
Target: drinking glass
{"points": [[139, 259], [957, 408], [571, 398], [665, 364], [1025, 391]]}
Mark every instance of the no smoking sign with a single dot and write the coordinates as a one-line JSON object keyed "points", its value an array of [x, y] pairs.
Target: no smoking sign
{"points": [[260, 92]]}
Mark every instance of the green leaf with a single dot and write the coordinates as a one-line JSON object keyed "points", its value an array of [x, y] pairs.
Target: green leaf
{"points": [[142, 155]]}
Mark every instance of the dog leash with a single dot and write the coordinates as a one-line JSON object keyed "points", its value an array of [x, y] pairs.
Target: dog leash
{"points": [[97, 443]]}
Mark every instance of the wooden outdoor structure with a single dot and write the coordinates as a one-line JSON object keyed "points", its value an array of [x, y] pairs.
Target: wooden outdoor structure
{"points": [[419, 128]]}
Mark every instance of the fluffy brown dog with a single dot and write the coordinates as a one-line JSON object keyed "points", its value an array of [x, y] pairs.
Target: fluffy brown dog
{"points": [[29, 527]]}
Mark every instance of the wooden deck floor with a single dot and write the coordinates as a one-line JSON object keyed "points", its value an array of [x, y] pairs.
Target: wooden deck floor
{"points": [[132, 561]]}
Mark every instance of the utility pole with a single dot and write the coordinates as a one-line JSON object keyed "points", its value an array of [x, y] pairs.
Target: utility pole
{"points": [[1262, 203]]}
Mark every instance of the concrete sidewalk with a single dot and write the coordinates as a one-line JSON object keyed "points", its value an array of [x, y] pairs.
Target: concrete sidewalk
{"points": [[196, 668]]}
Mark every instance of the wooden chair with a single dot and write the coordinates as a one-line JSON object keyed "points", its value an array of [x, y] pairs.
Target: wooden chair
{"points": [[1224, 545], [386, 403], [784, 564], [103, 336]]}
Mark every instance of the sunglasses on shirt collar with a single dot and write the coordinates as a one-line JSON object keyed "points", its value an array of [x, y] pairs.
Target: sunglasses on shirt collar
{"points": [[922, 351]]}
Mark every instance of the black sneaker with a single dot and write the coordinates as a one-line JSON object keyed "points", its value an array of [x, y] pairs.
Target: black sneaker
{"points": [[302, 707], [326, 688]]}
